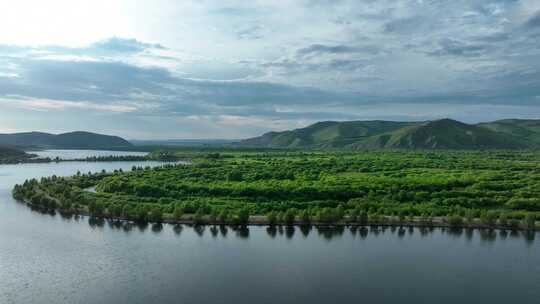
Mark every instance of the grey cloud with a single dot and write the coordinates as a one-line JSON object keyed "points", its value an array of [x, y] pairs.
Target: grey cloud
{"points": [[497, 37], [122, 45], [250, 33], [534, 21], [113, 81], [288, 66], [316, 49], [84, 80], [403, 25], [453, 47], [108, 47]]}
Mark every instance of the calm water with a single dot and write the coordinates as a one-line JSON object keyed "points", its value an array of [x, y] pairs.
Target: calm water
{"points": [[50, 259], [81, 154]]}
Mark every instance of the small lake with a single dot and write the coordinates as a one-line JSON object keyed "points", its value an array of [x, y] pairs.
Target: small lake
{"points": [[47, 258]]}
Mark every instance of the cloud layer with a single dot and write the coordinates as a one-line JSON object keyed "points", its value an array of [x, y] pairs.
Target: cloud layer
{"points": [[234, 69]]}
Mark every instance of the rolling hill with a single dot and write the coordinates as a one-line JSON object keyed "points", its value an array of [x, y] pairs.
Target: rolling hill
{"points": [[377, 134], [72, 140]]}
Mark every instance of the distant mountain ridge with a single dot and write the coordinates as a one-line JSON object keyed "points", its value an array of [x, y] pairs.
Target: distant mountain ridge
{"points": [[379, 134], [71, 140]]}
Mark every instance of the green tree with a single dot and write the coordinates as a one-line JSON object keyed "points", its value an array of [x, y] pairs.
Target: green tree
{"points": [[488, 218], [353, 215], [242, 216], [213, 215], [339, 213], [503, 220], [271, 217], [469, 215], [178, 212], [290, 216], [224, 216], [529, 222], [155, 215], [198, 218], [305, 217]]}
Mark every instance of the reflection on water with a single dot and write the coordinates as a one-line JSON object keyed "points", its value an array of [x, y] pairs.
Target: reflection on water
{"points": [[326, 232], [214, 231], [178, 229], [82, 154]]}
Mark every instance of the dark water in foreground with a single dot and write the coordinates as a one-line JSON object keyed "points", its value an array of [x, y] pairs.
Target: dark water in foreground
{"points": [[50, 259]]}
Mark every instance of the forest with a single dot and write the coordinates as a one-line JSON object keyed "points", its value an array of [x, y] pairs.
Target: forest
{"points": [[452, 188]]}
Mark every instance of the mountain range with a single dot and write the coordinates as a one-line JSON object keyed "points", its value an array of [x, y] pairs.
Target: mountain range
{"points": [[71, 140], [379, 134]]}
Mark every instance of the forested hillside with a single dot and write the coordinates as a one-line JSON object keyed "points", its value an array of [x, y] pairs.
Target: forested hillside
{"points": [[438, 134], [72, 140]]}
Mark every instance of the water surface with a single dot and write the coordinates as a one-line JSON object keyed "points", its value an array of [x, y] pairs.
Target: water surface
{"points": [[46, 258], [81, 154]]}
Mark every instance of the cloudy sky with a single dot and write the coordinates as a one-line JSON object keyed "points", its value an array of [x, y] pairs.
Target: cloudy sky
{"points": [[232, 69]]}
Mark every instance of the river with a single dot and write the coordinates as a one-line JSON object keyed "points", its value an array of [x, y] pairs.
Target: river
{"points": [[46, 258]]}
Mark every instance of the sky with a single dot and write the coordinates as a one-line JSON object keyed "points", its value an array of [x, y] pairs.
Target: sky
{"points": [[163, 69]]}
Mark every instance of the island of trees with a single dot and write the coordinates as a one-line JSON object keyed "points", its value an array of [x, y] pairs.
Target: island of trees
{"points": [[431, 188]]}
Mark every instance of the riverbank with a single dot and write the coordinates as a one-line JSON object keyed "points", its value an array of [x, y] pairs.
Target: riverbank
{"points": [[320, 189], [261, 220]]}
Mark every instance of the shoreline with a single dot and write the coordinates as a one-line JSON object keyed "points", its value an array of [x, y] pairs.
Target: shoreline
{"points": [[260, 220]]}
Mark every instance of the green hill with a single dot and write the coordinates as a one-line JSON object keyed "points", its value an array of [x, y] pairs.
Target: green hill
{"points": [[327, 134], [72, 140], [438, 134], [527, 129]]}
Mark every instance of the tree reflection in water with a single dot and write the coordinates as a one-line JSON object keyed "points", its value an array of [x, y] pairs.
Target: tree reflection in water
{"points": [[214, 231], [178, 229], [199, 229], [96, 222], [363, 232], [289, 231], [488, 235], [156, 228], [223, 230], [327, 232], [271, 231], [242, 232], [305, 230]]}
